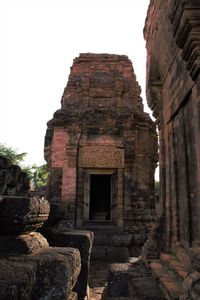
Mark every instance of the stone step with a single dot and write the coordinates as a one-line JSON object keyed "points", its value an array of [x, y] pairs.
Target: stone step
{"points": [[109, 239], [102, 227], [110, 236], [111, 244], [174, 264], [169, 282], [107, 253]]}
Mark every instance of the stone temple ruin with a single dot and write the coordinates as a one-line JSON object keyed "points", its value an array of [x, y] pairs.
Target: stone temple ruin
{"points": [[101, 147], [30, 266], [101, 150]]}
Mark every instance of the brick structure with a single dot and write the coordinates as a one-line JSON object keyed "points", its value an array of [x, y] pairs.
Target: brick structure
{"points": [[173, 81], [172, 34], [101, 148]]}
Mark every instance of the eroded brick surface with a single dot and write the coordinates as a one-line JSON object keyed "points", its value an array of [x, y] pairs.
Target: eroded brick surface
{"points": [[172, 33], [101, 128], [172, 92]]}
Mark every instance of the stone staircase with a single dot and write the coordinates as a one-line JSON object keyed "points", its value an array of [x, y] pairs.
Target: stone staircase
{"points": [[170, 273]]}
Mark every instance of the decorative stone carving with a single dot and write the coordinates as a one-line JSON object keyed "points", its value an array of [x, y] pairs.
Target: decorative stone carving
{"points": [[172, 33], [18, 217], [29, 268], [22, 214], [101, 157], [186, 29], [178, 38]]}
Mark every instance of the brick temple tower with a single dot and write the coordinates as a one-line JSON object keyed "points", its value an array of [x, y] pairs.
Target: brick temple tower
{"points": [[101, 147]]}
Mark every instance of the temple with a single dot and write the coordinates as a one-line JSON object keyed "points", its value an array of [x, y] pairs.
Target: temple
{"points": [[101, 151], [101, 147]]}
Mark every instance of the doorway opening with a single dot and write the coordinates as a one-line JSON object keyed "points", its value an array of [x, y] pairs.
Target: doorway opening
{"points": [[100, 197]]}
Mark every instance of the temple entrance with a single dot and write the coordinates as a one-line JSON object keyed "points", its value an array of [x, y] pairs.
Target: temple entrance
{"points": [[100, 197], [100, 189]]}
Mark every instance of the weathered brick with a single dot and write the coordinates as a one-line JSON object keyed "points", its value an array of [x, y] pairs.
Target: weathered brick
{"points": [[101, 128]]}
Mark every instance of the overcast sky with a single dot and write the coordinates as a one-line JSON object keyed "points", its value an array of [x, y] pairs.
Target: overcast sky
{"points": [[39, 40]]}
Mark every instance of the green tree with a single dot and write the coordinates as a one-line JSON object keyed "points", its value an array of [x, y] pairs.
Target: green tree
{"points": [[39, 176]]}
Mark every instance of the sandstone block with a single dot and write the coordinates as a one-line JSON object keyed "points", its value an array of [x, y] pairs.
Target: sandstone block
{"points": [[132, 280], [22, 214], [142, 285], [17, 279], [118, 280], [22, 244], [57, 272], [81, 240]]}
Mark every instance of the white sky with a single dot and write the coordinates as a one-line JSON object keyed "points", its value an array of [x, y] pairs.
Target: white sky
{"points": [[38, 41]]}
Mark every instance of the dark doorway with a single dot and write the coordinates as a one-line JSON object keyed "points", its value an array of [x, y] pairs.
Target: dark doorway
{"points": [[100, 197]]}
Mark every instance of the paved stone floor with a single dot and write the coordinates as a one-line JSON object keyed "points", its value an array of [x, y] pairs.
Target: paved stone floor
{"points": [[98, 278]]}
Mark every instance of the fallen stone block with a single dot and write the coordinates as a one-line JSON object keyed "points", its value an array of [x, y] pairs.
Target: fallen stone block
{"points": [[17, 279], [82, 240], [57, 273], [132, 280], [118, 280]]}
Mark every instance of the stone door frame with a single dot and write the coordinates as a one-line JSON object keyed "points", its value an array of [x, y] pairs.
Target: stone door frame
{"points": [[117, 205], [86, 198]]}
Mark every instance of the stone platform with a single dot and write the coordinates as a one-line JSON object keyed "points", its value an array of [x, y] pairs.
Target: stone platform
{"points": [[110, 243], [114, 243]]}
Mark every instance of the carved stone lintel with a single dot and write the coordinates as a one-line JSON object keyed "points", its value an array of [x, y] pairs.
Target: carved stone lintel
{"points": [[101, 157]]}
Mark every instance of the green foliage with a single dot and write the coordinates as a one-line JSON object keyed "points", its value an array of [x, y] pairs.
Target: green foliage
{"points": [[39, 176], [28, 171], [11, 154]]}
